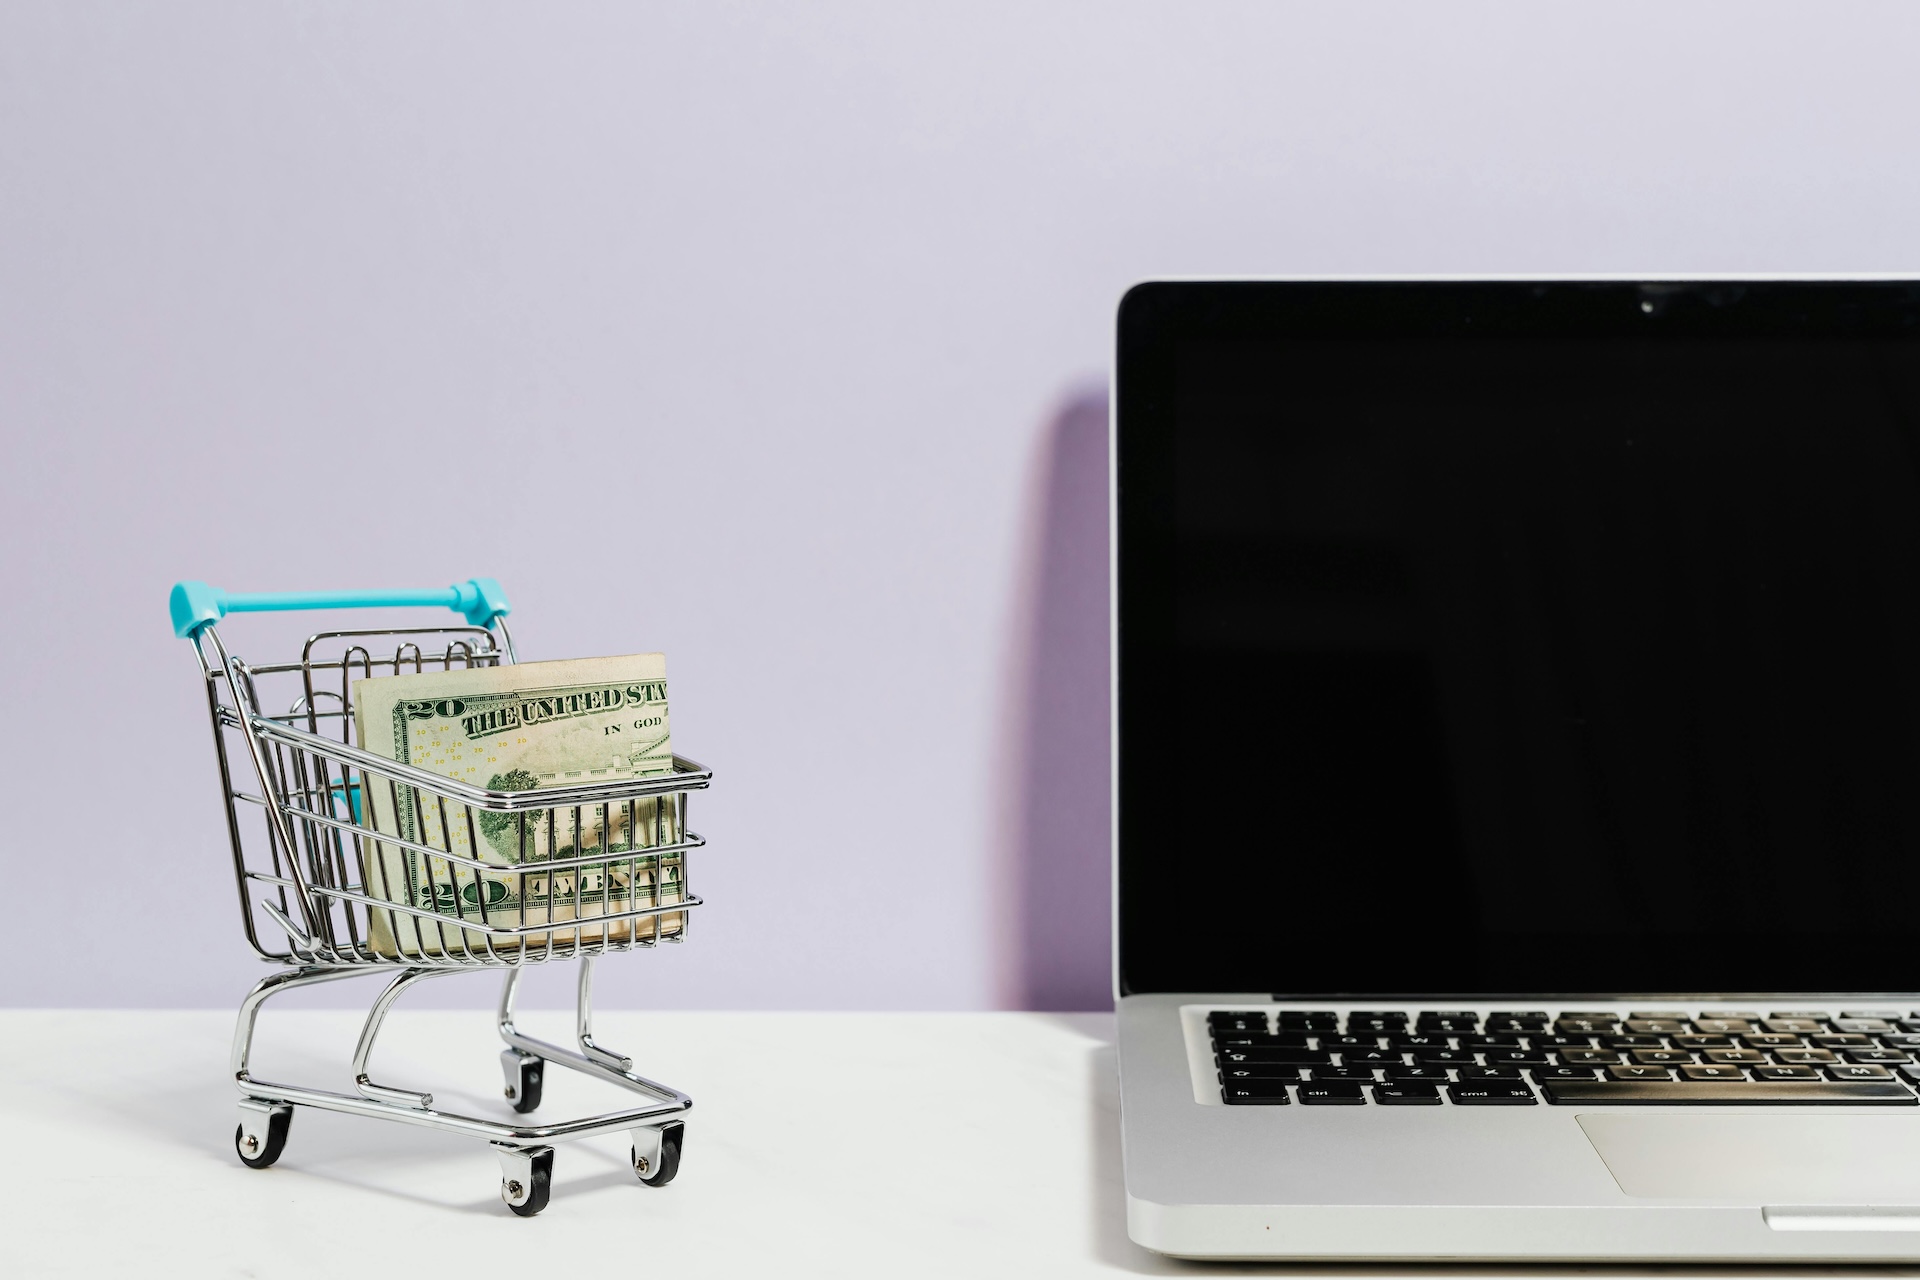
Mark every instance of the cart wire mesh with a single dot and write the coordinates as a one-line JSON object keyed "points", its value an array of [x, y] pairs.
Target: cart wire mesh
{"points": [[357, 860]]}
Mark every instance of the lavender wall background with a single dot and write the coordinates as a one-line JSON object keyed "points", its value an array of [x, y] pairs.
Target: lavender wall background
{"points": [[818, 297]]}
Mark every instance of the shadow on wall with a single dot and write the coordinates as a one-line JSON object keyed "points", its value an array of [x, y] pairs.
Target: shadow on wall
{"points": [[1063, 814]]}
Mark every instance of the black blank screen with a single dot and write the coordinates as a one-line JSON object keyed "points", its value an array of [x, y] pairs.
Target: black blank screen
{"points": [[1529, 662]]}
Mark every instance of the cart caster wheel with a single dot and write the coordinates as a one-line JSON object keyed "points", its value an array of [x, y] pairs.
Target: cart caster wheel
{"points": [[671, 1139], [257, 1155], [524, 1075], [531, 1197]]}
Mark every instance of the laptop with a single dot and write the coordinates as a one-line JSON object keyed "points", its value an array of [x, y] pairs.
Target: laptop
{"points": [[1517, 769]]}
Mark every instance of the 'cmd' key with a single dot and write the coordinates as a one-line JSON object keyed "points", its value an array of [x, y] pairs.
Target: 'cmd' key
{"points": [[1490, 1093]]}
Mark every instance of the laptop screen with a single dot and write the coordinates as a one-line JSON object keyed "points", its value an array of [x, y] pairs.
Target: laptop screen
{"points": [[1519, 638]]}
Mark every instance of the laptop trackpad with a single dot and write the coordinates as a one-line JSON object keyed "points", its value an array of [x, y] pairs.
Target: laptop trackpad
{"points": [[1761, 1159]]}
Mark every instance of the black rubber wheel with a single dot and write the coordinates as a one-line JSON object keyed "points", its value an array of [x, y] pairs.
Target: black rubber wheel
{"points": [[526, 1092], [277, 1125], [671, 1139], [542, 1186]]}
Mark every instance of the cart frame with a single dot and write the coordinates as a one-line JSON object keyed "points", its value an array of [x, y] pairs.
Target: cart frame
{"points": [[318, 870]]}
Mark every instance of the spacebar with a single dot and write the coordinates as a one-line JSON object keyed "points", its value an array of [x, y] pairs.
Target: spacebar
{"points": [[1731, 1093]]}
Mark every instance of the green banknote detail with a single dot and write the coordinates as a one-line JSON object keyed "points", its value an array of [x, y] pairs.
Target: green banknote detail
{"points": [[520, 727]]}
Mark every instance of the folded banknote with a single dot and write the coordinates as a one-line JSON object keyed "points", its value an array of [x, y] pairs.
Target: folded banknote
{"points": [[519, 727]]}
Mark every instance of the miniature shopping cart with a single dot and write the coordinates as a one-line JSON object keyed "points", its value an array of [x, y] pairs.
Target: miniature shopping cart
{"points": [[316, 869]]}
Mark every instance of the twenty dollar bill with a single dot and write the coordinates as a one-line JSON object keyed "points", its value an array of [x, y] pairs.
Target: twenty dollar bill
{"points": [[519, 727]]}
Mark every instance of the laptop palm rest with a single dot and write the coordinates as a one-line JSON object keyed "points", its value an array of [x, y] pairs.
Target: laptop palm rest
{"points": [[1865, 1169]]}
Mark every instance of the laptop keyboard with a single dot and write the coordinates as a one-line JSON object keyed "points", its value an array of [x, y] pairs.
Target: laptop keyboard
{"points": [[1522, 1057]]}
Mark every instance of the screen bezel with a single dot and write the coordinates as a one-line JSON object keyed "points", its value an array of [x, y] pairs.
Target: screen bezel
{"points": [[1156, 319]]}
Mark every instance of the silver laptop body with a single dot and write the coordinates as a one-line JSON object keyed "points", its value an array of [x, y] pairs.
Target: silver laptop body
{"points": [[1517, 769]]}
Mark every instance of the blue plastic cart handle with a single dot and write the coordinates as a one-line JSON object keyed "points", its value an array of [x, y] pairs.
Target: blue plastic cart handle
{"points": [[196, 605]]}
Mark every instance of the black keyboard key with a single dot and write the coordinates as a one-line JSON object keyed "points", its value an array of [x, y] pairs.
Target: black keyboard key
{"points": [[1859, 1071], [1342, 1073], [1843, 1040], [1697, 1043], [1225, 1020], [1465, 1024], [1406, 1095], [1722, 1026], [1419, 1042], [1786, 1073], [1635, 1072], [1490, 1073], [1489, 1042], [1356, 1027], [1255, 1040], [1711, 1071], [1362, 1023], [1758, 1040], [1491, 1093], [1733, 1015], [1581, 1024], [1257, 1093], [1863, 1026], [1910, 1024], [1634, 1042], [1332, 1093], [1349, 1042], [1500, 1024], [1588, 1057], [1416, 1075], [1259, 1071], [1297, 1021], [1561, 1042], [1564, 1073], [1371, 1057], [1288, 1057], [1901, 1042], [1802, 1057], [1662, 1057], [1794, 1026], [1753, 1056], [1515, 1057], [1657, 1026], [1877, 1055], [1445, 1058], [1736, 1093]]}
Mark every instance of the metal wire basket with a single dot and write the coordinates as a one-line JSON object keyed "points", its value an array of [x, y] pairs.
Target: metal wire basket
{"points": [[575, 871]]}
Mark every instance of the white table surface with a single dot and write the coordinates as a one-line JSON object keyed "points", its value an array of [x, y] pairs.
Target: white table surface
{"points": [[819, 1144], [847, 1145]]}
